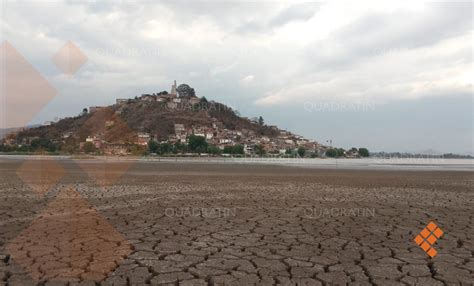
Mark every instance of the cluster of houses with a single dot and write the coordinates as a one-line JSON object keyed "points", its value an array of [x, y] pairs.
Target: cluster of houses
{"points": [[218, 136], [221, 137]]}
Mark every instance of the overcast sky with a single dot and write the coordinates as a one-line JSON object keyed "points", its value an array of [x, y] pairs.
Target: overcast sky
{"points": [[393, 76]]}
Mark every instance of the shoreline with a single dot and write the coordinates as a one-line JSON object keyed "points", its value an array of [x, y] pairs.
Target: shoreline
{"points": [[405, 164]]}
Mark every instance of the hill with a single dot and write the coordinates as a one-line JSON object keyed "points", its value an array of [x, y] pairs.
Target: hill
{"points": [[164, 118]]}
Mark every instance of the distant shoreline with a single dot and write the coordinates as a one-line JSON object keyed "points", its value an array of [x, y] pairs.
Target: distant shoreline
{"points": [[394, 164], [196, 155]]}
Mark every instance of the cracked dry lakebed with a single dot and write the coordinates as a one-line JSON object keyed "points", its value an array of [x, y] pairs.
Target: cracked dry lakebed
{"points": [[106, 222]]}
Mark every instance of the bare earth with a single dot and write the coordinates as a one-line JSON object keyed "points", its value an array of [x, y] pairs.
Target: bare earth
{"points": [[66, 222]]}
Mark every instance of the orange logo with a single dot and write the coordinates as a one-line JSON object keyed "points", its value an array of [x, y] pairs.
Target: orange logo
{"points": [[427, 238]]}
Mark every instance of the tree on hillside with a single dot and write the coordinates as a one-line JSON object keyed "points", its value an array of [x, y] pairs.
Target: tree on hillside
{"points": [[301, 151], [165, 148], [238, 149], [89, 147], [42, 144], [185, 90], [260, 121], [332, 153], [153, 146], [340, 152], [211, 149], [197, 144], [227, 150], [179, 148], [364, 152]]}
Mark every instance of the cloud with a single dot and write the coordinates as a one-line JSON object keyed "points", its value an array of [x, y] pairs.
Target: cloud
{"points": [[378, 57], [247, 79], [378, 33], [218, 70], [297, 12]]}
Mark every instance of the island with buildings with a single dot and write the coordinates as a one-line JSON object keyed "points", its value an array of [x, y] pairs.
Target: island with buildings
{"points": [[174, 123]]}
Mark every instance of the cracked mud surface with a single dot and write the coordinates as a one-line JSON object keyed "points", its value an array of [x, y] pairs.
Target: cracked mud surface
{"points": [[222, 224]]}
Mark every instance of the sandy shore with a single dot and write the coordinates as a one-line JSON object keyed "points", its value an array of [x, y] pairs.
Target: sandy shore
{"points": [[136, 223]]}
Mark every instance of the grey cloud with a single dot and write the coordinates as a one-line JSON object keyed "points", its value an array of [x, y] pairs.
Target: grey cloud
{"points": [[383, 33], [298, 12], [411, 30], [294, 13]]}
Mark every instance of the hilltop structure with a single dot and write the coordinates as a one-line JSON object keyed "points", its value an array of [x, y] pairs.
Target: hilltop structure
{"points": [[173, 89]]}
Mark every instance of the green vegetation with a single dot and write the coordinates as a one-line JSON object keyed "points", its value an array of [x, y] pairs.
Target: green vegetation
{"points": [[153, 146], [197, 144], [301, 151], [335, 152], [237, 149], [364, 152], [165, 148], [211, 149], [35, 146], [89, 147], [42, 144]]}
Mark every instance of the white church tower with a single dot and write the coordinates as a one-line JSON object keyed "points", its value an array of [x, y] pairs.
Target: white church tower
{"points": [[173, 89]]}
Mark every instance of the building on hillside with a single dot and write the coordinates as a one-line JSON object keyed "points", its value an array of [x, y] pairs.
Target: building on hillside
{"points": [[179, 128], [209, 135], [119, 101], [68, 134], [225, 141], [95, 108], [143, 138], [148, 97], [249, 148], [183, 138], [94, 140]]}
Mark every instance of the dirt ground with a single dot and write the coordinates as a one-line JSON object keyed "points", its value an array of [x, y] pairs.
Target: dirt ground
{"points": [[67, 222]]}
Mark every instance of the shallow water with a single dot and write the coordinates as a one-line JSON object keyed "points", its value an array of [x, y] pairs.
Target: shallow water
{"points": [[421, 164]]}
